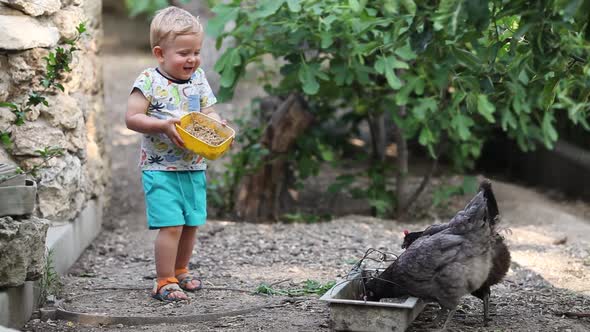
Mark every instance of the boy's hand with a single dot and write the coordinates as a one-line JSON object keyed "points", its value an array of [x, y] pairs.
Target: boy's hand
{"points": [[169, 128]]}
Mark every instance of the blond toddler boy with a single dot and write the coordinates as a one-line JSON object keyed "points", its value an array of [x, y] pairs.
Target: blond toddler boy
{"points": [[173, 178]]}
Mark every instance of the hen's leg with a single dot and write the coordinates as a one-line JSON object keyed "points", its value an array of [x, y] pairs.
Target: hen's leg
{"points": [[442, 314], [446, 314], [486, 309]]}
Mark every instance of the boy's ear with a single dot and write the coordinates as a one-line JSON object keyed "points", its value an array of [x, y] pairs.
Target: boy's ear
{"points": [[158, 53]]}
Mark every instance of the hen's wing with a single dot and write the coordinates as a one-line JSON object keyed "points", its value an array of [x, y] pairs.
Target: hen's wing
{"points": [[484, 197]]}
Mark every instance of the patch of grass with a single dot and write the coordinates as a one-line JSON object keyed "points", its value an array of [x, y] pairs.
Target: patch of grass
{"points": [[351, 261], [305, 218], [308, 287], [50, 283]]}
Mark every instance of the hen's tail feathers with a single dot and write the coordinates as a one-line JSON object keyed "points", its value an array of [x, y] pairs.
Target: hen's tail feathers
{"points": [[492, 205]]}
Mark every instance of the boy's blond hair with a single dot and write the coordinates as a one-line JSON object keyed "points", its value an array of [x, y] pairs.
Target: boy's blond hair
{"points": [[171, 22]]}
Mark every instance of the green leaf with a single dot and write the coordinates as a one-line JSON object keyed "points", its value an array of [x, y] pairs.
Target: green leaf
{"points": [[231, 58], [234, 59], [327, 39], [425, 137], [265, 8], [225, 94], [387, 66], [447, 16], [221, 62], [402, 96], [294, 5], [342, 75], [362, 73], [406, 52], [549, 93], [485, 108], [81, 28], [326, 152], [391, 6], [228, 77], [8, 105], [396, 64], [224, 13], [548, 128], [508, 120], [357, 5], [523, 77], [5, 138], [425, 104], [36, 99], [462, 123], [392, 79], [20, 118], [329, 20], [307, 77], [409, 6], [465, 57]]}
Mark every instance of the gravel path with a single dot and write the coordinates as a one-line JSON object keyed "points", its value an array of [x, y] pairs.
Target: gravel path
{"points": [[243, 256], [548, 241]]}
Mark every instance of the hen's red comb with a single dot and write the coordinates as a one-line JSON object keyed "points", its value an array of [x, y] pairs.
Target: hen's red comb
{"points": [[406, 232]]}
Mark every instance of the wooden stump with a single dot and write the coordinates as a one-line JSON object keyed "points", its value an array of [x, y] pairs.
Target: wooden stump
{"points": [[259, 193]]}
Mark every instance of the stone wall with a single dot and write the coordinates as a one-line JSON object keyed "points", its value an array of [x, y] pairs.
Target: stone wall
{"points": [[74, 119]]}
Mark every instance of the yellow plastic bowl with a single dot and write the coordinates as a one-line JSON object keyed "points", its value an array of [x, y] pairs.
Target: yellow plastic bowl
{"points": [[200, 147]]}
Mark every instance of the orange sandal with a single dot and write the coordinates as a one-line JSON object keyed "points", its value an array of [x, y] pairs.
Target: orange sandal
{"points": [[163, 290], [186, 279]]}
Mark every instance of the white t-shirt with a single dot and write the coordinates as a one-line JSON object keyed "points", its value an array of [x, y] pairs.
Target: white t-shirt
{"points": [[170, 98]]}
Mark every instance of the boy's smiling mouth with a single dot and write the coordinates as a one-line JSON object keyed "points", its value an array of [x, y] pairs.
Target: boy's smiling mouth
{"points": [[188, 70]]}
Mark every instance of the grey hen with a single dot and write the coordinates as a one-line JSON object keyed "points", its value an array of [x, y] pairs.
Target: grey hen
{"points": [[500, 253], [445, 265]]}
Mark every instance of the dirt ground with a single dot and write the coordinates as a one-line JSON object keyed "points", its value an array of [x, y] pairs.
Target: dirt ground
{"points": [[548, 239]]}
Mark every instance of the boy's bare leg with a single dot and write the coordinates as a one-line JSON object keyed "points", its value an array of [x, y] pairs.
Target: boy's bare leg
{"points": [[166, 248], [185, 251]]}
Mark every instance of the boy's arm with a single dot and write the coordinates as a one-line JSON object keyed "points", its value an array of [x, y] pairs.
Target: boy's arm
{"points": [[136, 119]]}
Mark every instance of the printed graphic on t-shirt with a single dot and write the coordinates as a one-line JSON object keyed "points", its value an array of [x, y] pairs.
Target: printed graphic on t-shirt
{"points": [[171, 99]]}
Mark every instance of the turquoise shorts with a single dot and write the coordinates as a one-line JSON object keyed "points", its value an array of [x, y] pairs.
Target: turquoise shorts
{"points": [[175, 198]]}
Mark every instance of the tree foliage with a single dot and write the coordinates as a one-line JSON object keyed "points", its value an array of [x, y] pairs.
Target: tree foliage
{"points": [[149, 7], [448, 71]]}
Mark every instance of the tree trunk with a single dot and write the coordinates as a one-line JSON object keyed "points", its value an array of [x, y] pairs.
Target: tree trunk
{"points": [[402, 171], [378, 143], [259, 193], [378, 137]]}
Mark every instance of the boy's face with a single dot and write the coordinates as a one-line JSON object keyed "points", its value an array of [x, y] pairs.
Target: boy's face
{"points": [[180, 57]]}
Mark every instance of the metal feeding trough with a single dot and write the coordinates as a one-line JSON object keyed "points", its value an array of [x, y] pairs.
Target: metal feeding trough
{"points": [[349, 312]]}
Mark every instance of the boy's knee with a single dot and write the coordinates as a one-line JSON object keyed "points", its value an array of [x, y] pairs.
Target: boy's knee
{"points": [[173, 230], [189, 230]]}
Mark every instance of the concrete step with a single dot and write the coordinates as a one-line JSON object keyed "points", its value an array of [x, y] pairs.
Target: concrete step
{"points": [[67, 240]]}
